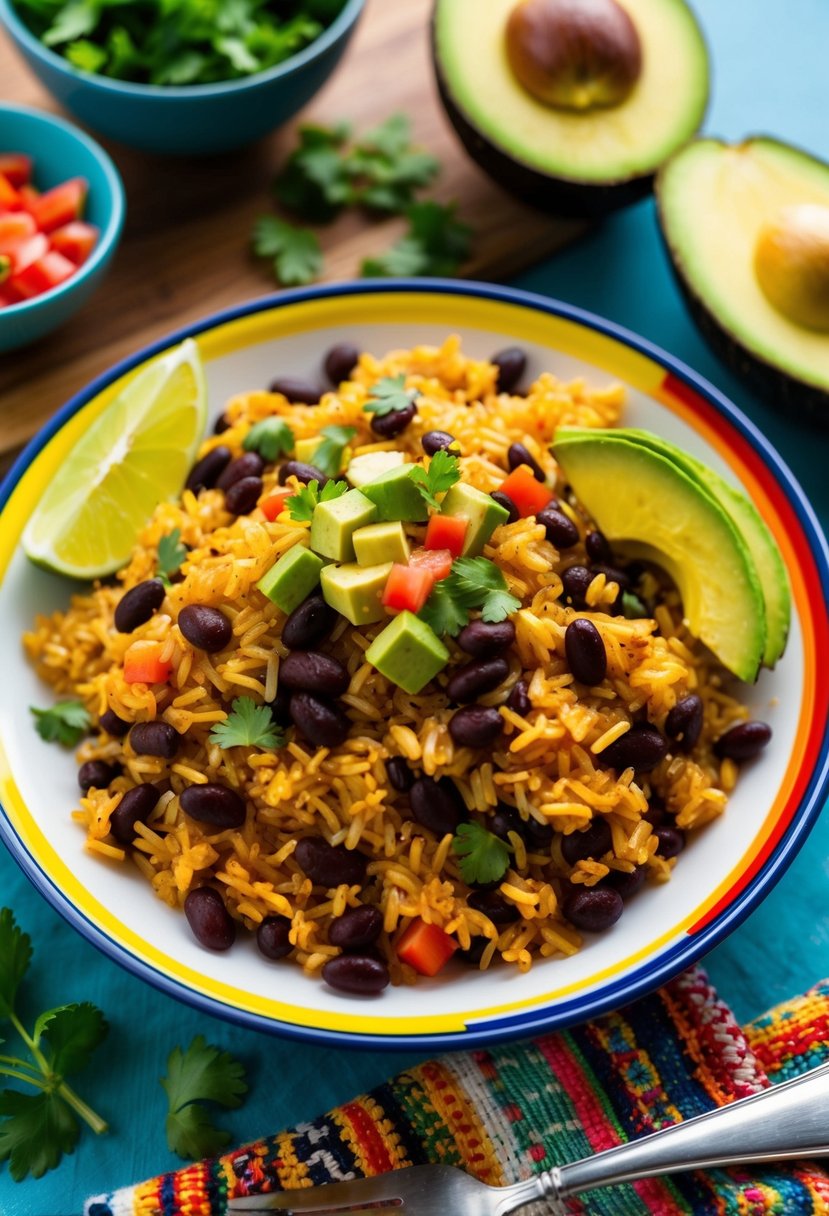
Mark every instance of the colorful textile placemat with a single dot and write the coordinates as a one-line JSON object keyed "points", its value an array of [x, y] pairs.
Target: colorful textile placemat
{"points": [[504, 1113]]}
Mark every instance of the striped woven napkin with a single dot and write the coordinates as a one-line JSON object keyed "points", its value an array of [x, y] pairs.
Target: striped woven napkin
{"points": [[507, 1112]]}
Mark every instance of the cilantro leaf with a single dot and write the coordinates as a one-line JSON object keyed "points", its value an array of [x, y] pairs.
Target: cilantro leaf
{"points": [[69, 1034], [314, 182], [442, 613], [405, 257], [15, 956], [36, 1130], [66, 722], [437, 243], [270, 437], [171, 553], [201, 1073], [328, 457], [484, 857], [295, 252], [301, 505], [475, 582], [247, 725], [632, 607], [498, 605], [388, 395], [442, 473]]}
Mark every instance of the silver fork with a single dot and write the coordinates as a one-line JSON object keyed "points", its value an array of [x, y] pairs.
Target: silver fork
{"points": [[787, 1121]]}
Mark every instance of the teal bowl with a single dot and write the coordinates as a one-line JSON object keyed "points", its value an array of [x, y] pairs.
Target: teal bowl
{"points": [[198, 119], [61, 151]]}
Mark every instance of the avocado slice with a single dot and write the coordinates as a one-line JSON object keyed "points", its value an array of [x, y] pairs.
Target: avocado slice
{"points": [[291, 578], [481, 510], [408, 653], [395, 495], [363, 469], [334, 523], [571, 161], [356, 591], [716, 205], [768, 560], [655, 510], [378, 543]]}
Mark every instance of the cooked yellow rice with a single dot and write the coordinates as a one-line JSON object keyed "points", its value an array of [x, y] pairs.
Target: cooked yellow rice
{"points": [[545, 765]]}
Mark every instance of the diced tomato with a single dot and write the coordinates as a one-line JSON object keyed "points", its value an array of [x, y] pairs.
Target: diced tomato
{"points": [[437, 561], [446, 532], [26, 252], [9, 196], [15, 226], [28, 194], [47, 272], [407, 588], [75, 240], [530, 496], [425, 947], [274, 503], [142, 664], [16, 167], [62, 203]]}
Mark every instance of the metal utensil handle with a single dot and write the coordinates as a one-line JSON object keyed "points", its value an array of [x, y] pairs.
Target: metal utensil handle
{"points": [[787, 1121]]}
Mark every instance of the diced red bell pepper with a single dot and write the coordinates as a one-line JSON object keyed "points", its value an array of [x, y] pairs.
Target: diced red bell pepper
{"points": [[75, 240], [407, 588], [16, 167], [530, 496], [446, 532], [142, 664], [9, 196], [437, 561], [15, 226], [47, 272], [275, 503], [28, 194], [425, 947], [62, 203]]}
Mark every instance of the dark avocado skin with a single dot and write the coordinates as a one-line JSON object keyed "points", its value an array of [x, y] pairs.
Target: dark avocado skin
{"points": [[782, 390]]}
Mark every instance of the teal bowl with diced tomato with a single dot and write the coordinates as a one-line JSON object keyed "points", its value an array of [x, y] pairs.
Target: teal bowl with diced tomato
{"points": [[62, 209], [187, 120]]}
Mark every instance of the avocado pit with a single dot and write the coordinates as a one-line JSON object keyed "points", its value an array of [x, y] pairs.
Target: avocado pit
{"points": [[791, 262], [574, 54]]}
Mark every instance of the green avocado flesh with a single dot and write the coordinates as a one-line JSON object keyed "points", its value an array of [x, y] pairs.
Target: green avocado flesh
{"points": [[714, 199], [604, 144], [655, 510]]}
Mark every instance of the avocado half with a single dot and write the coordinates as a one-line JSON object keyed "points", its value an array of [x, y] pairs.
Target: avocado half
{"points": [[714, 202], [572, 163]]}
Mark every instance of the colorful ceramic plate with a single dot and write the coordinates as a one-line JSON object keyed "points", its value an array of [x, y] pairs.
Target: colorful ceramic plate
{"points": [[721, 876]]}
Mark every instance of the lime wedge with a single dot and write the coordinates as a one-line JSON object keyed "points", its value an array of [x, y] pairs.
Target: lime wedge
{"points": [[136, 454]]}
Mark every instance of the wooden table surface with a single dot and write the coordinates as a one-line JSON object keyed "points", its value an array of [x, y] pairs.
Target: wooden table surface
{"points": [[184, 252]]}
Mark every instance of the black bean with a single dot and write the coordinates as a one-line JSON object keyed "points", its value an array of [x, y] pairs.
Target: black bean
{"points": [[593, 909], [155, 739], [511, 364], [296, 389], [138, 604], [655, 815], [112, 724], [221, 425], [394, 423], [594, 841], [641, 748], [475, 726], [598, 550], [519, 699], [613, 575], [272, 936], [684, 721], [136, 806], [506, 502], [626, 884], [575, 580], [329, 865], [476, 678], [280, 706], [506, 819], [437, 441], [207, 471], [743, 742], [209, 919], [585, 651], [493, 905], [437, 805], [304, 473], [560, 529], [475, 952], [340, 362], [250, 464], [310, 622], [97, 773], [310, 671], [243, 495], [204, 627], [401, 777], [671, 841], [357, 974], [518, 454], [356, 927], [217, 805], [322, 722], [484, 639]]}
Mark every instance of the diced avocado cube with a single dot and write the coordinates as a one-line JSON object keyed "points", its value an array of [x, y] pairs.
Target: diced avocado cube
{"points": [[408, 653], [396, 495], [291, 578], [381, 543], [365, 468], [334, 523], [304, 449], [355, 591], [482, 511]]}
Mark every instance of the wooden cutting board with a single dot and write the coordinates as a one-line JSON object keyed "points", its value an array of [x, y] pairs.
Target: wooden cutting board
{"points": [[184, 252]]}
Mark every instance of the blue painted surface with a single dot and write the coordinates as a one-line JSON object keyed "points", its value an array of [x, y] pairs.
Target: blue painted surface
{"points": [[769, 62]]}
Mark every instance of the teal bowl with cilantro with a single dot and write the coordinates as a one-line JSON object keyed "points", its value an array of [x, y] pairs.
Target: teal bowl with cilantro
{"points": [[198, 78]]}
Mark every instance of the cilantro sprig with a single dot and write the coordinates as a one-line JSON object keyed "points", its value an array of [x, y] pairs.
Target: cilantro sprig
{"points": [[484, 857], [247, 725], [37, 1128], [294, 253], [328, 457], [474, 583], [66, 722], [441, 475], [389, 395], [171, 553], [270, 437], [200, 1074], [301, 505], [437, 243]]}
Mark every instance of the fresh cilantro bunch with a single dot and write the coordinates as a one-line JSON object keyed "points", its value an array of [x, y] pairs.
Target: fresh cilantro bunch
{"points": [[202, 1073], [37, 1128], [441, 475], [474, 583], [484, 857], [66, 722], [301, 505], [247, 725], [171, 553], [294, 252], [328, 457], [437, 243], [270, 437], [389, 395]]}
